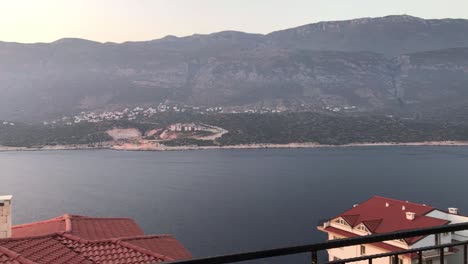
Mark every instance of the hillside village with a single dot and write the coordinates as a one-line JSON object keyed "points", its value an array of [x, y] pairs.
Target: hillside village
{"points": [[139, 112]]}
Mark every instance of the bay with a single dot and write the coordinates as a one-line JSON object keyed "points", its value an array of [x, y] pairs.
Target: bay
{"points": [[227, 201]]}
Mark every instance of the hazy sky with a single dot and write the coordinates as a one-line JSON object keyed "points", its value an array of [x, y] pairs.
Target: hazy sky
{"points": [[122, 20]]}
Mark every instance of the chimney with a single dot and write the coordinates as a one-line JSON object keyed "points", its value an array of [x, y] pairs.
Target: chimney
{"points": [[355, 205], [410, 216], [453, 210], [403, 208], [387, 204], [5, 216]]}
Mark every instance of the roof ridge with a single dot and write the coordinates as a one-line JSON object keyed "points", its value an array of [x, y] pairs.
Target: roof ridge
{"points": [[75, 238], [372, 230], [144, 250], [15, 256], [120, 242], [406, 202], [64, 217], [106, 218], [145, 237], [55, 219], [30, 237], [368, 199]]}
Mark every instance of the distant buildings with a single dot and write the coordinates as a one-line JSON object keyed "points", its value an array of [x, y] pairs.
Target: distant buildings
{"points": [[83, 239], [140, 112], [384, 215], [339, 109], [190, 127]]}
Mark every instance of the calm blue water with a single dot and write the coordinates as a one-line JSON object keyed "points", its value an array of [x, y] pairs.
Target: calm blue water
{"points": [[225, 201]]}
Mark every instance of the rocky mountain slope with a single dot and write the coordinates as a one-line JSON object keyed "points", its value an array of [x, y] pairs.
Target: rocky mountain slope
{"points": [[396, 64]]}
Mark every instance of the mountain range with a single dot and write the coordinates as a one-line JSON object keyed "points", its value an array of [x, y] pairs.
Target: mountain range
{"points": [[399, 65]]}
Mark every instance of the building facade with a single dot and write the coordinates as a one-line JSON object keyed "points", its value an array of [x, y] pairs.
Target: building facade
{"points": [[384, 215]]}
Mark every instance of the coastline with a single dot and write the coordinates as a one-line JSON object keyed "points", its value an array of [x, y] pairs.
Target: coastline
{"points": [[158, 147]]}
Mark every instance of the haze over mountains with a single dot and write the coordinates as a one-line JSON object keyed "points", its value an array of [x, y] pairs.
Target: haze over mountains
{"points": [[395, 64]]}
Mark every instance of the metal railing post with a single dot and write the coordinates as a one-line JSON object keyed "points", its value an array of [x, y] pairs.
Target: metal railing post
{"points": [[313, 249], [314, 257], [442, 259], [465, 254]]}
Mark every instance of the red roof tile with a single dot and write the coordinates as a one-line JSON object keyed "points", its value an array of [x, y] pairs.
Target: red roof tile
{"points": [[372, 225], [82, 239], [54, 225], [43, 249], [379, 218], [111, 251], [8, 257], [164, 244], [90, 228]]}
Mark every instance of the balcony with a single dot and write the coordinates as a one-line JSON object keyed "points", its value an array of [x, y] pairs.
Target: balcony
{"points": [[439, 252]]}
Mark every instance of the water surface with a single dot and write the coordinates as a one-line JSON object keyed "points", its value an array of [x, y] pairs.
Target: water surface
{"points": [[225, 201]]}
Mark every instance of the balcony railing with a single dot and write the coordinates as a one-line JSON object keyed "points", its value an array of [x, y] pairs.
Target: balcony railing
{"points": [[313, 249]]}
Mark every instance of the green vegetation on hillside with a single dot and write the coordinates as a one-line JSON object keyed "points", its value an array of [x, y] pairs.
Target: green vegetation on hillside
{"points": [[334, 129]]}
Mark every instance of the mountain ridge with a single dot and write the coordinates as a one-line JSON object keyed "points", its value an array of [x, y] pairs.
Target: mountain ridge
{"points": [[363, 63], [395, 17]]}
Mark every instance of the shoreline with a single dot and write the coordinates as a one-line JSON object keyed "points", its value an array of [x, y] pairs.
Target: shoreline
{"points": [[146, 147]]}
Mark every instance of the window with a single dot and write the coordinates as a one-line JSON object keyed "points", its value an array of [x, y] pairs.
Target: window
{"points": [[437, 239], [362, 228], [341, 221], [363, 250], [392, 260]]}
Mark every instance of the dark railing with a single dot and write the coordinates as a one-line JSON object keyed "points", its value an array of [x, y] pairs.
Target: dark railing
{"points": [[313, 249]]}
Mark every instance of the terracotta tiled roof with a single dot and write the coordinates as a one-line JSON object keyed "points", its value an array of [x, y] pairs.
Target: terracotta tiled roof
{"points": [[82, 239], [372, 225], [54, 225], [9, 257], [380, 218], [90, 228], [164, 244], [111, 251], [43, 249]]}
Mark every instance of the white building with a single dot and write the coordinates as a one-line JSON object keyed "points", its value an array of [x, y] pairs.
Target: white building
{"points": [[184, 127], [383, 215]]}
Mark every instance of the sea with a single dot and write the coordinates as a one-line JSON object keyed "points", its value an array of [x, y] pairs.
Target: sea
{"points": [[229, 201]]}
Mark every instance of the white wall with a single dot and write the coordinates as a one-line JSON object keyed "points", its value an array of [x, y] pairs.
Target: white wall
{"points": [[454, 219], [355, 251], [5, 217]]}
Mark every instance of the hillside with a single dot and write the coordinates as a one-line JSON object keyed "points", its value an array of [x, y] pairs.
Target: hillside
{"points": [[374, 64], [234, 129]]}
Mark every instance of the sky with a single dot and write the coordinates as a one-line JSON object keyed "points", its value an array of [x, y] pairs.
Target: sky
{"points": [[30, 21]]}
